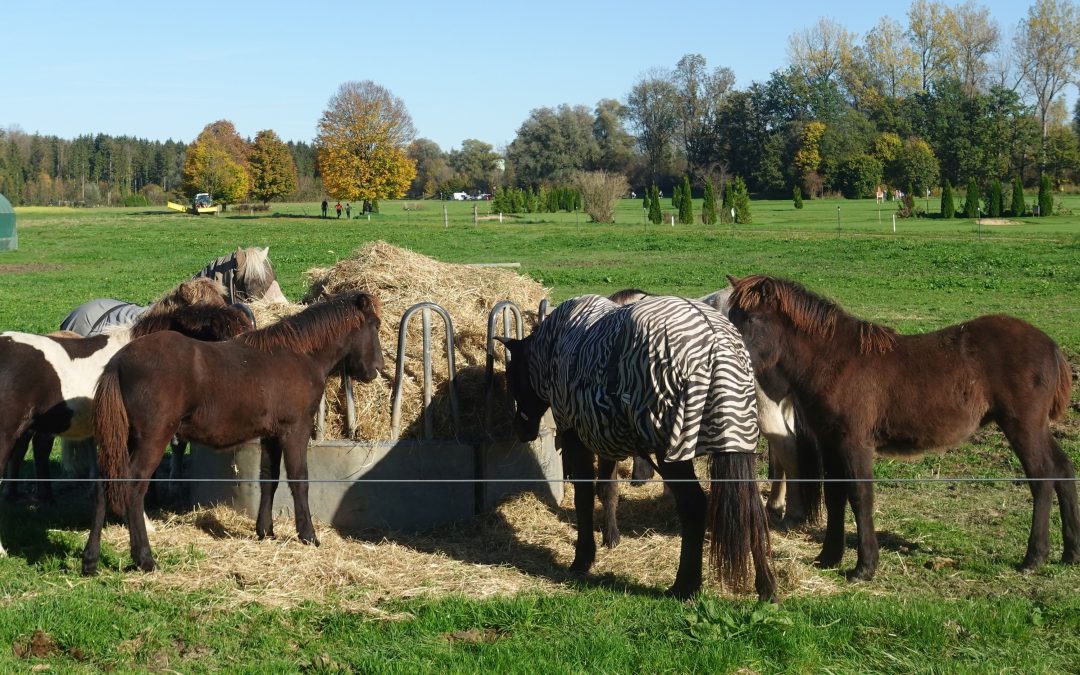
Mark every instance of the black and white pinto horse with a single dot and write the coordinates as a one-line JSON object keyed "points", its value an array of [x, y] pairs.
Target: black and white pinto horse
{"points": [[246, 276], [47, 382], [663, 377]]}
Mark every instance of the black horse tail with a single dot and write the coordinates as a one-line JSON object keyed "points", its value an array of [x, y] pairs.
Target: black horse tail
{"points": [[811, 470], [1063, 393], [740, 529], [111, 432]]}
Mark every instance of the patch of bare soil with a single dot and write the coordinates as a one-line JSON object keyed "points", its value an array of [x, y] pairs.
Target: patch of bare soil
{"points": [[11, 268], [999, 221]]}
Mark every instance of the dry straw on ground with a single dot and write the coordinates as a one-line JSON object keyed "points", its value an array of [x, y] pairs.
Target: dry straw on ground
{"points": [[523, 546], [401, 278]]}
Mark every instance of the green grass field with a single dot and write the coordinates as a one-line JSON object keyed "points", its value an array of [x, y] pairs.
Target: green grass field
{"points": [[947, 596]]}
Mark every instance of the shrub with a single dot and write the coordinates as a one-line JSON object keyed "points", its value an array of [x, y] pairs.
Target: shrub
{"points": [[600, 192], [906, 207], [728, 203], [948, 206], [796, 194], [859, 176]]}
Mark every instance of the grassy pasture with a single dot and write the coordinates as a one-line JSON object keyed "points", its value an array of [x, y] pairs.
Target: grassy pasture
{"points": [[947, 596]]}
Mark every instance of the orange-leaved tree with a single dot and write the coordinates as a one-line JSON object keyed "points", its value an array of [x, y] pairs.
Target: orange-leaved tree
{"points": [[273, 171], [361, 145]]}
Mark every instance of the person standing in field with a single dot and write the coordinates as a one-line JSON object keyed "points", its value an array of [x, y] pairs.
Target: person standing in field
{"points": [[338, 207], [324, 205], [348, 210]]}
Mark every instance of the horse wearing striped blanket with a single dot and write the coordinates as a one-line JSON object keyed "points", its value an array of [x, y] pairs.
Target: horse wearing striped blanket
{"points": [[664, 377]]}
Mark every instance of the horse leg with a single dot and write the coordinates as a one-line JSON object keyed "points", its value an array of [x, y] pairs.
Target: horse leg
{"points": [[582, 475], [642, 472], [43, 444], [608, 490], [832, 550], [775, 505], [13, 466], [861, 496], [295, 449], [176, 467], [92, 552], [690, 504], [1067, 502], [144, 461], [269, 473], [1034, 447]]}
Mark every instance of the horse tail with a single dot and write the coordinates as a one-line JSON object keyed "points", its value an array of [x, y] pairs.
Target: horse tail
{"points": [[811, 470], [1064, 388], [740, 529], [111, 432]]}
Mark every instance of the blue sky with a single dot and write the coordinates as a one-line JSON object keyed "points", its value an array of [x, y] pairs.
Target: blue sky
{"points": [[464, 69]]}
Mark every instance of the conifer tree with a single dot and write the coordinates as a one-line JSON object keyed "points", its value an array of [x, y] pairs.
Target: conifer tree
{"points": [[796, 194], [708, 205], [655, 215], [971, 203], [1018, 208], [1046, 197], [741, 201], [728, 203], [994, 203], [686, 204], [948, 206]]}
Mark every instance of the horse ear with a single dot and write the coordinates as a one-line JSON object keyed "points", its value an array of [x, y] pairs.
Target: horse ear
{"points": [[732, 279], [510, 343]]}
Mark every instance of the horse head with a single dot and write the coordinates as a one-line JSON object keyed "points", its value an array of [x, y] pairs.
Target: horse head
{"points": [[364, 357], [754, 308], [529, 408], [255, 277]]}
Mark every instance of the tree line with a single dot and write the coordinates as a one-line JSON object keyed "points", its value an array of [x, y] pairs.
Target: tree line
{"points": [[114, 170]]}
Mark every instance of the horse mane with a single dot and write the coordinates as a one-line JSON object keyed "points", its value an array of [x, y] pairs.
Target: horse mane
{"points": [[316, 325], [197, 291], [201, 321], [253, 264], [809, 312]]}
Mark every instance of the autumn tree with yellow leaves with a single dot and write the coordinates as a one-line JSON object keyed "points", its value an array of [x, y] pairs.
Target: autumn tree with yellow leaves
{"points": [[217, 163], [361, 144]]}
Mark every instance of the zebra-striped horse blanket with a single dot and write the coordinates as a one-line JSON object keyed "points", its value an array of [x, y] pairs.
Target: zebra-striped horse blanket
{"points": [[667, 371]]}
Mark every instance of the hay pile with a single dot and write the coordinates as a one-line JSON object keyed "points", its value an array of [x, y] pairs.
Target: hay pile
{"points": [[401, 278], [524, 546]]}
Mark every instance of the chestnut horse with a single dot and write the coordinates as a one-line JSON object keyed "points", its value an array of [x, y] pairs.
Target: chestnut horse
{"points": [[166, 384], [48, 381], [865, 388]]}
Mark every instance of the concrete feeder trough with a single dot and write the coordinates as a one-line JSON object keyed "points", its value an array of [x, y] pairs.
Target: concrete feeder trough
{"points": [[397, 484]]}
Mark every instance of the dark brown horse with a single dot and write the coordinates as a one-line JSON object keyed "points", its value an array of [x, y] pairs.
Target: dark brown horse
{"points": [[166, 384], [865, 388], [48, 381]]}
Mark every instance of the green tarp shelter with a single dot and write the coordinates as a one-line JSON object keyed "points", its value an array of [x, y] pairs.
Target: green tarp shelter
{"points": [[9, 238]]}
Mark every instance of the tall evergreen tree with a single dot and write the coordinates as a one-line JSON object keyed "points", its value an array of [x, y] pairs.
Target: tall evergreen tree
{"points": [[1018, 207], [708, 204], [971, 203], [1046, 197], [796, 194], [655, 215], [948, 205], [741, 199], [994, 206], [728, 203], [686, 203]]}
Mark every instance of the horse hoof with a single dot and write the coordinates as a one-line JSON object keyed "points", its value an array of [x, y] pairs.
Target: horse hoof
{"points": [[681, 592], [1070, 558], [826, 562], [309, 540], [858, 574], [611, 541], [89, 569], [580, 566]]}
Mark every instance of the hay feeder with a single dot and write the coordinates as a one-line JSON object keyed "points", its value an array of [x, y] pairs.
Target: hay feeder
{"points": [[404, 484]]}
